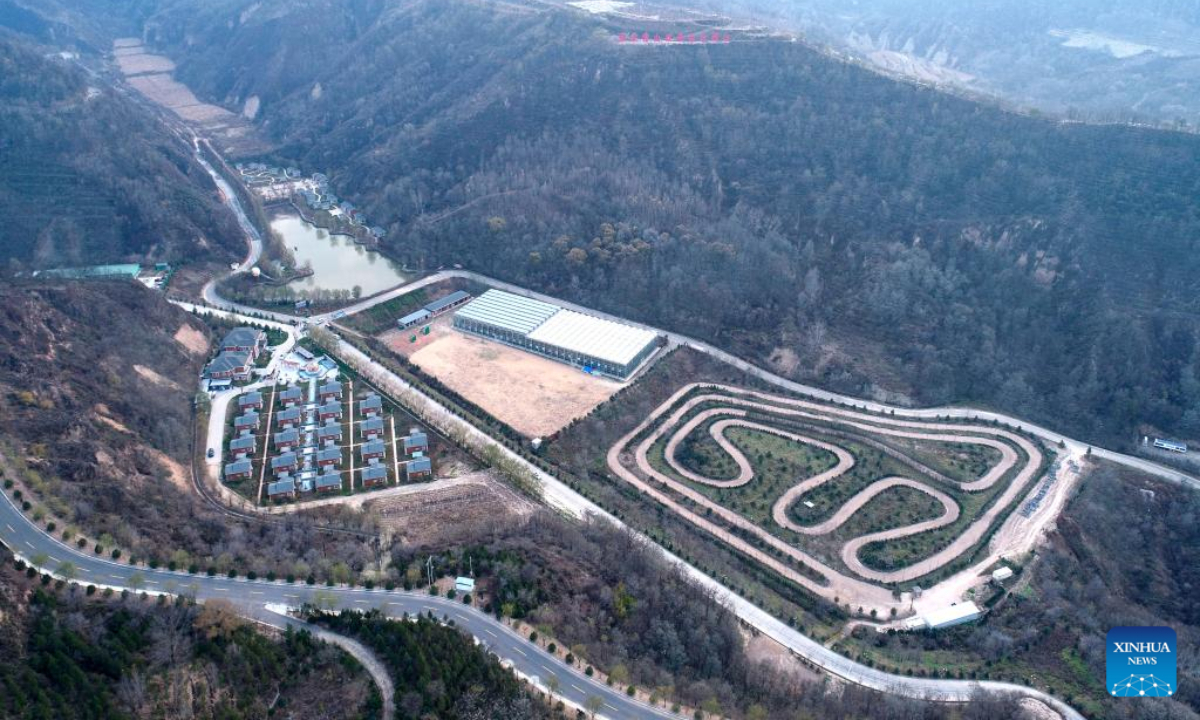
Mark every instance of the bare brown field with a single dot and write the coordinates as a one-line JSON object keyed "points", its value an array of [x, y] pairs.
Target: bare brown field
{"points": [[533, 395], [151, 75], [472, 505], [141, 63]]}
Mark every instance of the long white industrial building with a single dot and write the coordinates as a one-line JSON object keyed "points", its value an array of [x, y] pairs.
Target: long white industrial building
{"points": [[592, 343]]}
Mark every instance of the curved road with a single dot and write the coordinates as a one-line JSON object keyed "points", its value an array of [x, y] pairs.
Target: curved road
{"points": [[558, 495], [932, 413], [950, 411], [256, 598], [839, 584]]}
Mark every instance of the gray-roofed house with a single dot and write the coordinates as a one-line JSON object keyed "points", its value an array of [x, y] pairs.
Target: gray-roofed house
{"points": [[329, 391], [238, 470], [242, 445], [372, 449], [454, 299], [416, 441], [249, 421], [329, 433], [251, 400], [287, 439], [418, 468], [291, 396], [283, 487], [413, 318], [329, 482], [229, 366], [374, 475], [371, 406], [288, 418], [330, 411], [284, 463], [372, 428], [244, 339], [327, 457]]}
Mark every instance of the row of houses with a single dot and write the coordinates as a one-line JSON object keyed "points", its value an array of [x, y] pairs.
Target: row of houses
{"points": [[236, 355], [322, 198], [262, 174], [328, 457], [433, 309]]}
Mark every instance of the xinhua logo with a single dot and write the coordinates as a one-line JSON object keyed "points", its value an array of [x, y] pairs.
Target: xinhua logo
{"points": [[1141, 662]]}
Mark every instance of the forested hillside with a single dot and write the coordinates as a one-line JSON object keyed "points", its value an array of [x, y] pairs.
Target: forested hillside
{"points": [[438, 671], [1100, 59], [870, 235], [98, 382], [856, 231], [76, 655], [87, 176]]}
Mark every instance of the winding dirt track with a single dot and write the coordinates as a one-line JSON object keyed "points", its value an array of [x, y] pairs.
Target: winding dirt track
{"points": [[734, 404]]}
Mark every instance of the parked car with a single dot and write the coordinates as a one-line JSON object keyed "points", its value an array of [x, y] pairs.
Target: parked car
{"points": [[212, 452]]}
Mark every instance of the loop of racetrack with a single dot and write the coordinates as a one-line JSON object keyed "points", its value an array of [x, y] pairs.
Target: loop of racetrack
{"points": [[733, 403]]}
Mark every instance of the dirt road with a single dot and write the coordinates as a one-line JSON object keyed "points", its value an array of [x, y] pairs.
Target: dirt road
{"points": [[736, 402]]}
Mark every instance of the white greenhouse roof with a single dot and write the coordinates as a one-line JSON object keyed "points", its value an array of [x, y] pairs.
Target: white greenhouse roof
{"points": [[591, 336], [510, 312]]}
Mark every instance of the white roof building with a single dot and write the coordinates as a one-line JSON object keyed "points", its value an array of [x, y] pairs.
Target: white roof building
{"points": [[591, 336], [950, 616], [506, 311], [596, 344]]}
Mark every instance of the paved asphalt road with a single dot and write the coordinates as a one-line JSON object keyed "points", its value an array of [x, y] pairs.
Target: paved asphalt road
{"points": [[558, 495], [254, 239], [28, 541]]}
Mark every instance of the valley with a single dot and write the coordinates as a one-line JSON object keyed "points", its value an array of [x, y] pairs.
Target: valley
{"points": [[808, 393]]}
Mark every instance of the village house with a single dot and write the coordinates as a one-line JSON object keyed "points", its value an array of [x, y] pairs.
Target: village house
{"points": [[244, 340], [251, 400], [371, 429], [233, 366], [249, 421], [288, 418], [238, 470], [329, 433], [372, 449], [330, 482], [374, 475], [330, 411], [371, 406], [284, 487], [415, 442], [418, 468], [242, 445], [285, 463], [328, 457], [329, 391], [291, 397]]}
